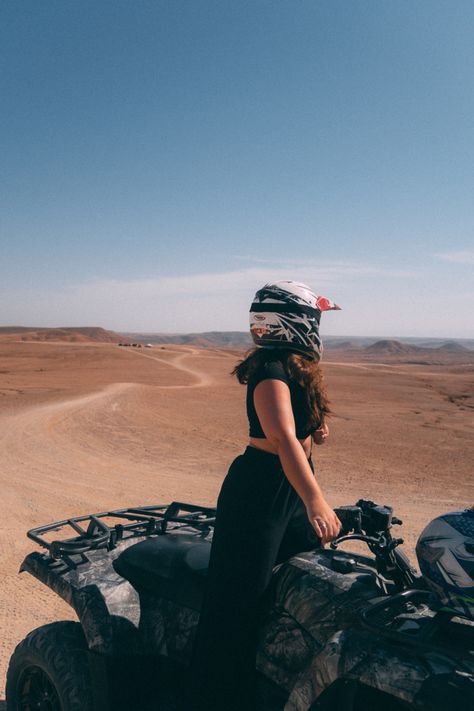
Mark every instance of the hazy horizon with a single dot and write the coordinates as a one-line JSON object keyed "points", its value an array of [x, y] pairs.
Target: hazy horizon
{"points": [[326, 336]]}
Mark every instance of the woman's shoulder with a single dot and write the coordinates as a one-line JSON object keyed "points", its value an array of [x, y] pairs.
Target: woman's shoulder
{"points": [[271, 369]]}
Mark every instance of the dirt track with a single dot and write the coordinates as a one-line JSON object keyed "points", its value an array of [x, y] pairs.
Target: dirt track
{"points": [[88, 427]]}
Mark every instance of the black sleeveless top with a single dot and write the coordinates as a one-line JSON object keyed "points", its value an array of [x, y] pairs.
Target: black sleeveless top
{"points": [[275, 370]]}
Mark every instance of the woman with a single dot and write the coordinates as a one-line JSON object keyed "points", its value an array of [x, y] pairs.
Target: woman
{"points": [[270, 505]]}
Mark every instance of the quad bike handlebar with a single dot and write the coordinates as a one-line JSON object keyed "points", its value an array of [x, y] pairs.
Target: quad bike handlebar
{"points": [[371, 523], [368, 517]]}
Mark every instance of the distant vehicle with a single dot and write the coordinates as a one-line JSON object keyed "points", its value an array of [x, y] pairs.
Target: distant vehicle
{"points": [[149, 345], [340, 631]]}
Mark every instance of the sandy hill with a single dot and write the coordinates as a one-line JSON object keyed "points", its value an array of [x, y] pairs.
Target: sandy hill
{"points": [[390, 351], [71, 334], [453, 346], [391, 347]]}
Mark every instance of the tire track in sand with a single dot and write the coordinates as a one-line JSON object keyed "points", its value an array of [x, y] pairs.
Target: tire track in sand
{"points": [[202, 379], [31, 451]]}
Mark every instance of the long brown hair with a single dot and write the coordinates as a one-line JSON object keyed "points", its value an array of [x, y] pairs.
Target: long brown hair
{"points": [[303, 369]]}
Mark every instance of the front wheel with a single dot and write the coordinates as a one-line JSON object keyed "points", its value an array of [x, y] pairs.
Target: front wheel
{"points": [[49, 671]]}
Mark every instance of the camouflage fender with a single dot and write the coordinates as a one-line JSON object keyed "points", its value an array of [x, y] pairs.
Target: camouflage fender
{"points": [[312, 637], [310, 604], [107, 606]]}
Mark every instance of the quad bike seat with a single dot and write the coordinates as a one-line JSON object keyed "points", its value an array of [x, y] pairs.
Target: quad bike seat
{"points": [[171, 566]]}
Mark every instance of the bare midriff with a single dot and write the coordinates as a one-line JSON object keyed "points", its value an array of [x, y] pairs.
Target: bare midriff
{"points": [[262, 443]]}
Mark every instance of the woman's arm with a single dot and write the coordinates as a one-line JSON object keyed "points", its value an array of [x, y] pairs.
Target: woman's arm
{"points": [[273, 406]]}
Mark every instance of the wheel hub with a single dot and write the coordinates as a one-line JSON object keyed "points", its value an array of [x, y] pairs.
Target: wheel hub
{"points": [[36, 691]]}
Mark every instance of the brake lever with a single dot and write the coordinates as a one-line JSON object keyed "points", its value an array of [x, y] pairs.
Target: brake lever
{"points": [[353, 537]]}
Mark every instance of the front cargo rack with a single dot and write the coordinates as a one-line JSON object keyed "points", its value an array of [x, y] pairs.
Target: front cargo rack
{"points": [[102, 530]]}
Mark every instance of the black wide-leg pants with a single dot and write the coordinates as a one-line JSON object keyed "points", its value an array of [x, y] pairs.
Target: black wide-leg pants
{"points": [[260, 521]]}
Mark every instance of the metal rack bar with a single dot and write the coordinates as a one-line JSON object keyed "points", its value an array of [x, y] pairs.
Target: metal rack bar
{"points": [[143, 520]]}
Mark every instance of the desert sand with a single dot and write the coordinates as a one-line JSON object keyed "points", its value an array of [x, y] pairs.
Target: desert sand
{"points": [[85, 427]]}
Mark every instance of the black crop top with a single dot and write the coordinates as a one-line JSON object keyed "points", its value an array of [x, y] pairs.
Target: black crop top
{"points": [[275, 370]]}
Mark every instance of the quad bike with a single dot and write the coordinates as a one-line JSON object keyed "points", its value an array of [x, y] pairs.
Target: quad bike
{"points": [[339, 631]]}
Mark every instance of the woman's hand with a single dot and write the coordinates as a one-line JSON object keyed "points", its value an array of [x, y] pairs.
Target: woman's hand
{"points": [[320, 435], [324, 520]]}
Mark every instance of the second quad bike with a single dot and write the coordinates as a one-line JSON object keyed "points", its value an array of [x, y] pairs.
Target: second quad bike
{"points": [[340, 630]]}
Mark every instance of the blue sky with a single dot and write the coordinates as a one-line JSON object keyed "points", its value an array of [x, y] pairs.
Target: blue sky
{"points": [[161, 160]]}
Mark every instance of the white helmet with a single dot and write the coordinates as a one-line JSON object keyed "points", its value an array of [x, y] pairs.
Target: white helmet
{"points": [[286, 314]]}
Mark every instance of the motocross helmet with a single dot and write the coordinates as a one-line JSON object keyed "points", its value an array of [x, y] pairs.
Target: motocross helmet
{"points": [[286, 314], [445, 552]]}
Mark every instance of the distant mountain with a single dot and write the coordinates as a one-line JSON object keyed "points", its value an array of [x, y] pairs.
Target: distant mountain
{"points": [[391, 347], [69, 334], [394, 347], [453, 347], [436, 343], [242, 340], [333, 345], [208, 339], [239, 340]]}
